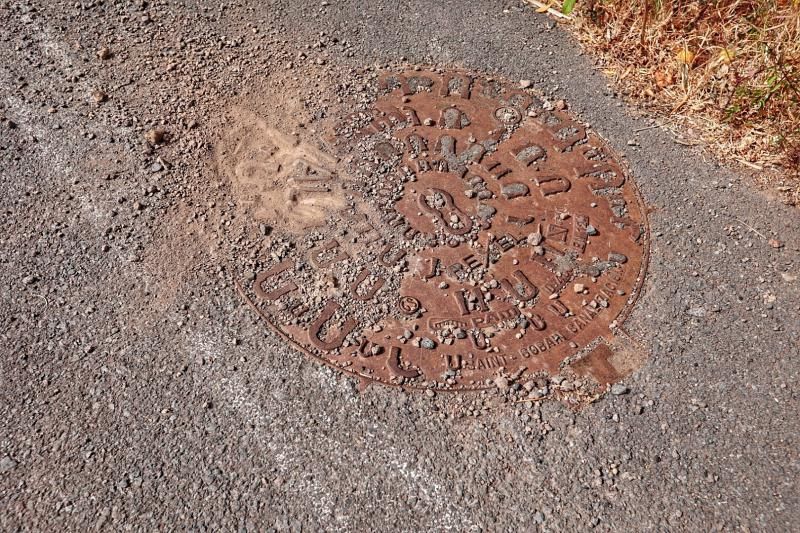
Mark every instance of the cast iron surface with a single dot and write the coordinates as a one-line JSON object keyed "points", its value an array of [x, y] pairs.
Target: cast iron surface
{"points": [[486, 234]]}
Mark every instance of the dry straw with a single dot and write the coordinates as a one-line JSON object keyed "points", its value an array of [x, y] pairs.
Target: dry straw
{"points": [[722, 73]]}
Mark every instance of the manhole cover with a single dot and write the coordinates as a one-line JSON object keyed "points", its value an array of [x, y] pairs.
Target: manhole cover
{"points": [[466, 231]]}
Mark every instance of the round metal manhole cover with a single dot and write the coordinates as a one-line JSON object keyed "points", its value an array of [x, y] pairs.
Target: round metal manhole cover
{"points": [[464, 230]]}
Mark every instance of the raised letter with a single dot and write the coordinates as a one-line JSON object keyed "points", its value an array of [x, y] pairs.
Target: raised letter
{"points": [[315, 328]]}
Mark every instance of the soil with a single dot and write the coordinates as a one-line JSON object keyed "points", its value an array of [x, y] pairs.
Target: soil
{"points": [[139, 391]]}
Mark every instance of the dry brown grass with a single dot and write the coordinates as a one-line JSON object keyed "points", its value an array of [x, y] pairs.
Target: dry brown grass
{"points": [[724, 73]]}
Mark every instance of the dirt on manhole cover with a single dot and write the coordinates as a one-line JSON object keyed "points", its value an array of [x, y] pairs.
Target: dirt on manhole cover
{"points": [[464, 233]]}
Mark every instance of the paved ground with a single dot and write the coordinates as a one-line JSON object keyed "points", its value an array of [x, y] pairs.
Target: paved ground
{"points": [[138, 392]]}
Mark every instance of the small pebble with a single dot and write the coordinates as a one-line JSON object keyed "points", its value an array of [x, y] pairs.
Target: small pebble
{"points": [[514, 190], [156, 135], [618, 389], [7, 464], [534, 239]]}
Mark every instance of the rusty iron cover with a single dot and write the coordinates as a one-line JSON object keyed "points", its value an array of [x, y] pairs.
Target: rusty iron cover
{"points": [[465, 230]]}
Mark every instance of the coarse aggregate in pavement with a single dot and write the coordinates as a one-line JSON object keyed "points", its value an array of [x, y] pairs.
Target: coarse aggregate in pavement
{"points": [[139, 392]]}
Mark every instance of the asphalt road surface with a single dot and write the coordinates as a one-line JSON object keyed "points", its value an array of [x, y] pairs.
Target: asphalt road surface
{"points": [[139, 392]]}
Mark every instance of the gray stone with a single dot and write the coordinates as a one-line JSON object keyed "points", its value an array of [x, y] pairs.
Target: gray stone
{"points": [[618, 389], [7, 464], [514, 190], [698, 312], [486, 211]]}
